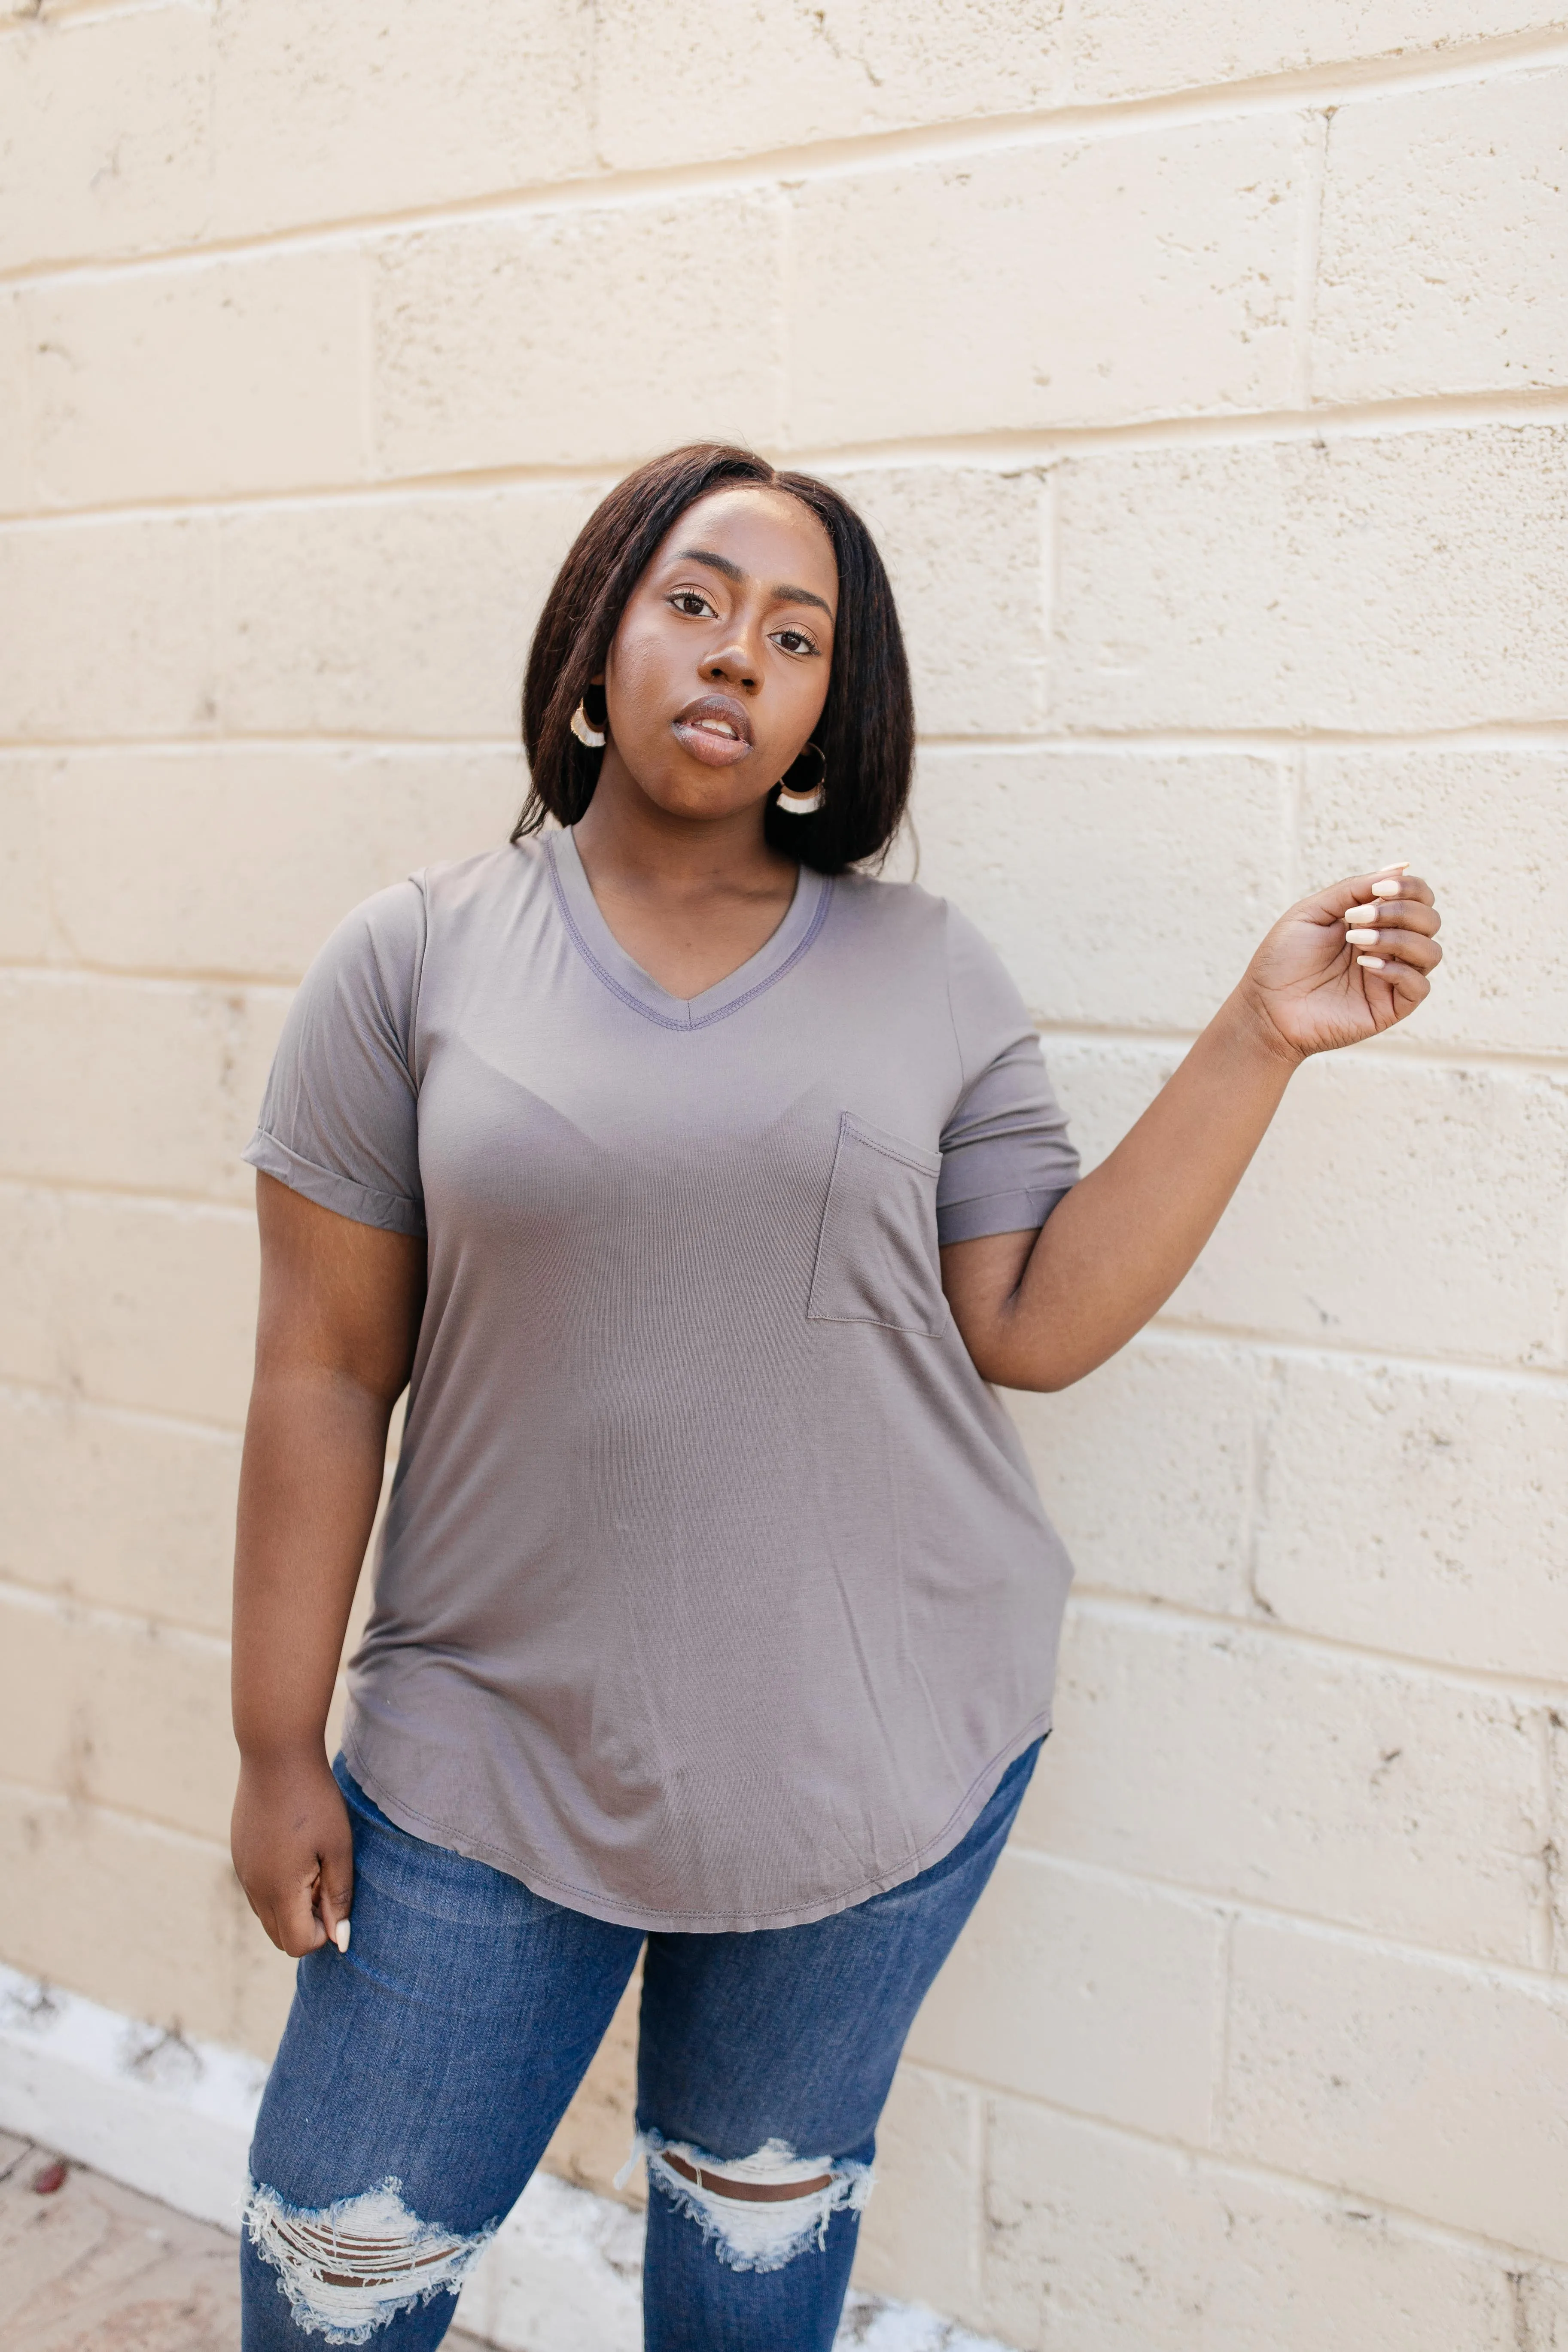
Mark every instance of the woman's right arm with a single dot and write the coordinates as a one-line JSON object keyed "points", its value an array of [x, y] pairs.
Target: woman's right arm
{"points": [[335, 1336]]}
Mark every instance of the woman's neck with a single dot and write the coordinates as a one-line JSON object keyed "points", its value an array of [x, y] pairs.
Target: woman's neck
{"points": [[690, 899]]}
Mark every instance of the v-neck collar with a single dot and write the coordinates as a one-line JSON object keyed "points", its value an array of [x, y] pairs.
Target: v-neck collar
{"points": [[604, 955]]}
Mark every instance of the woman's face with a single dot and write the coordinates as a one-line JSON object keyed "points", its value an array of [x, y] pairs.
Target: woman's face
{"points": [[719, 670]]}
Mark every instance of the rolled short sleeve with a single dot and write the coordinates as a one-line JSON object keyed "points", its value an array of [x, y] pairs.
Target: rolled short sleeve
{"points": [[1007, 1158], [340, 1121]]}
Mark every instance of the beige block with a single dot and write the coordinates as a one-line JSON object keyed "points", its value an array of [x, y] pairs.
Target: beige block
{"points": [[1489, 831], [1443, 255], [203, 378], [108, 628], [123, 1509], [1078, 1988], [1105, 1087], [791, 78], [472, 368], [1444, 1533], [107, 1711], [17, 480], [146, 1304], [1246, 1764], [1146, 1468], [389, 616], [1400, 1207], [1418, 580], [1122, 49], [338, 109], [1108, 2243], [152, 1085], [1431, 2084], [28, 933], [1122, 890], [233, 860], [103, 133], [594, 2137], [1149, 274], [920, 2238], [965, 550], [147, 1921]]}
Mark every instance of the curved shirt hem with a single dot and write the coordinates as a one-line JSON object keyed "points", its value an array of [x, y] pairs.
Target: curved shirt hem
{"points": [[613, 1912]]}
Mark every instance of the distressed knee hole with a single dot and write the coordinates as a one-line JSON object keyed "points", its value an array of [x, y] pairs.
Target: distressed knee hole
{"points": [[757, 2212], [347, 2269]]}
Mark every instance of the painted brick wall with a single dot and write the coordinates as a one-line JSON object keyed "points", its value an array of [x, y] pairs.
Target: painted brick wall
{"points": [[1205, 371]]}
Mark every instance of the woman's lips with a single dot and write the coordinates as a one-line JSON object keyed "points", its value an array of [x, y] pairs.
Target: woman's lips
{"points": [[715, 730]]}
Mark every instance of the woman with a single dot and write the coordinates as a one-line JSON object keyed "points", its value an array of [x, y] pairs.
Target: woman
{"points": [[698, 1186]]}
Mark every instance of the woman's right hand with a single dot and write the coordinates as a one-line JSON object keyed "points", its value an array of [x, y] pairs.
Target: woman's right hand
{"points": [[293, 1851]]}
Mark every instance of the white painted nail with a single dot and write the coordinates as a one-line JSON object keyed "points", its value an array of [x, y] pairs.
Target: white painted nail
{"points": [[340, 1935], [1362, 939], [1397, 867], [1386, 890], [1372, 963], [1361, 914]]}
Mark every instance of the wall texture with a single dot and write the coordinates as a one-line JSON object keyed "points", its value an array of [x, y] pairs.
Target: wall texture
{"points": [[1205, 371]]}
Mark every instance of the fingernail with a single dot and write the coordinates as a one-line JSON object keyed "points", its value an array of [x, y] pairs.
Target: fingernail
{"points": [[1397, 867], [1372, 963], [1386, 890], [1360, 939], [340, 1935], [1360, 914]]}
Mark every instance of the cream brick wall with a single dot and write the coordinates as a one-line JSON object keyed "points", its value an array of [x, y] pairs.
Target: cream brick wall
{"points": [[1205, 373]]}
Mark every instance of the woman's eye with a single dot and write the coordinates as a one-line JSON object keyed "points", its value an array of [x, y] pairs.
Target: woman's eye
{"points": [[794, 640], [691, 603]]}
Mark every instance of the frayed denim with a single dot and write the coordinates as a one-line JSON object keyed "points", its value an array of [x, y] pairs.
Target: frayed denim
{"points": [[421, 2076]]}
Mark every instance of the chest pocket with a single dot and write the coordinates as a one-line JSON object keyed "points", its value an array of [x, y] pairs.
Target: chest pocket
{"points": [[875, 1254]]}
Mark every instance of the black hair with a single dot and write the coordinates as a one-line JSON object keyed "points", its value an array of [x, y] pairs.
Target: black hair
{"points": [[866, 729]]}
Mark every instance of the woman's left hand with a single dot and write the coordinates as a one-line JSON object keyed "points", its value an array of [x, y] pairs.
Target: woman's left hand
{"points": [[1347, 963]]}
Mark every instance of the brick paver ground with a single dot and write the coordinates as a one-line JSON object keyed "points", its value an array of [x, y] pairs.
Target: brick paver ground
{"points": [[90, 2266]]}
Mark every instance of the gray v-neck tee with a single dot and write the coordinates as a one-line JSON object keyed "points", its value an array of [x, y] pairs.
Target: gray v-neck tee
{"points": [[714, 1590]]}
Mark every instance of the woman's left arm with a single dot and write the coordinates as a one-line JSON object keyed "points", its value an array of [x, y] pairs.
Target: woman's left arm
{"points": [[1038, 1311]]}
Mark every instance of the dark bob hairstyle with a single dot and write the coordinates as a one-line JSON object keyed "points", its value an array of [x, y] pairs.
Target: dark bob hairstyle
{"points": [[866, 729]]}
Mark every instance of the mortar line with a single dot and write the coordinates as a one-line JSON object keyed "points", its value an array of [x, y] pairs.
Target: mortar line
{"points": [[79, 971], [76, 970], [1175, 1336], [1305, 2186], [23, 1393], [1341, 81], [1263, 1406], [1114, 1604], [70, 1607], [1177, 744], [80, 1191], [35, 1793], [978, 2135], [1309, 242], [1191, 742], [1224, 1904], [1551, 1849], [1413, 1052], [1225, 1970], [1004, 449], [50, 12]]}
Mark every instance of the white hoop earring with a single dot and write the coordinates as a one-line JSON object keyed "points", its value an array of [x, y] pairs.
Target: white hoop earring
{"points": [[806, 803], [584, 733]]}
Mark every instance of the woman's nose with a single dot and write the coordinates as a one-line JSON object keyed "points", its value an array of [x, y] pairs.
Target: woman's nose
{"points": [[737, 664]]}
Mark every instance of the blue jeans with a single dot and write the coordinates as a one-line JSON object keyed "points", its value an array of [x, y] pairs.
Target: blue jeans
{"points": [[421, 2076]]}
